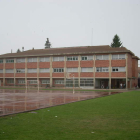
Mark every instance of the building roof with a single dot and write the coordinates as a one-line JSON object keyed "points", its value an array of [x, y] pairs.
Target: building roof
{"points": [[68, 50]]}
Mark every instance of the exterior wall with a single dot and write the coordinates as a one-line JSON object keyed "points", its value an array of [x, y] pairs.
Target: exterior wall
{"points": [[32, 65], [101, 63], [118, 63], [72, 64], [19, 74], [44, 64], [129, 64], [86, 63], [20, 65], [9, 74], [1, 66], [135, 68], [9, 66], [31, 74], [44, 74], [57, 74], [86, 74], [118, 74], [101, 74], [58, 64]]}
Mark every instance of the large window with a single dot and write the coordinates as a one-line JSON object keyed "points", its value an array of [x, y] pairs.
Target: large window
{"points": [[44, 70], [10, 81], [20, 70], [69, 83], [20, 60], [44, 59], [58, 58], [9, 71], [72, 58], [118, 56], [86, 82], [86, 69], [32, 59], [59, 81], [90, 57], [58, 70], [33, 82], [118, 69], [32, 70], [45, 81], [1, 60], [21, 81], [1, 70], [102, 57], [72, 69], [102, 69], [9, 60]]}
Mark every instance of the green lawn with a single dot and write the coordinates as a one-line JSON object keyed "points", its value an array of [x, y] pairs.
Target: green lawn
{"points": [[115, 117]]}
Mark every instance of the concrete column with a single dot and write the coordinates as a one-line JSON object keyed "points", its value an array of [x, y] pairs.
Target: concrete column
{"points": [[94, 70], [38, 68], [110, 70], [25, 70], [51, 70], [79, 69], [14, 71], [65, 71], [126, 71], [4, 61]]}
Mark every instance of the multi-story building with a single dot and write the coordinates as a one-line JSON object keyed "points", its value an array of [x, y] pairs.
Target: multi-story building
{"points": [[90, 66]]}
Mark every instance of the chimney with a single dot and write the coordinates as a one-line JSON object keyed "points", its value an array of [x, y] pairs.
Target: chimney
{"points": [[23, 49]]}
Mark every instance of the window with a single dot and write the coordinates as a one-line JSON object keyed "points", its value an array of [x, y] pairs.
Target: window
{"points": [[86, 57], [33, 82], [118, 56], [1, 60], [69, 82], [1, 70], [118, 69], [9, 71], [58, 58], [21, 81], [44, 70], [86, 69], [58, 70], [20, 60], [45, 81], [102, 69], [10, 81], [72, 69], [59, 81], [72, 58], [32, 59], [102, 57], [32, 71], [9, 60], [20, 70], [44, 59], [86, 82]]}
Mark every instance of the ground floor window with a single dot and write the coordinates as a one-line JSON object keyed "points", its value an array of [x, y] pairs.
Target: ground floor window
{"points": [[45, 81], [10, 81], [86, 82], [59, 81], [32, 81], [69, 83], [21, 81]]}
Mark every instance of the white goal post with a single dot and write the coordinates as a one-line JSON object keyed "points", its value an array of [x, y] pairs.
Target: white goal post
{"points": [[32, 84]]}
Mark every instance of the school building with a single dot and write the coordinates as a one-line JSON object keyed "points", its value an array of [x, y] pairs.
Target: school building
{"points": [[84, 67]]}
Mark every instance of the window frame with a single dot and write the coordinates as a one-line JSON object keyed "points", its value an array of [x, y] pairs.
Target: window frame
{"points": [[44, 59], [32, 71], [118, 57], [9, 60], [118, 69], [20, 60], [102, 69], [33, 58], [72, 70], [87, 69], [72, 58], [87, 56], [58, 58], [20, 70], [102, 57], [58, 70]]}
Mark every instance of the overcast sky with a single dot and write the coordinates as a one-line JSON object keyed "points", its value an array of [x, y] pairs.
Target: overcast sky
{"points": [[68, 23]]}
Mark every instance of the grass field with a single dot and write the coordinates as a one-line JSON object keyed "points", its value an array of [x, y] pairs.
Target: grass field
{"points": [[115, 117]]}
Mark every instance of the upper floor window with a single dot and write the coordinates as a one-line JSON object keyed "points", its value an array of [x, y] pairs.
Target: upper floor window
{"points": [[72, 69], [9, 60], [9, 71], [1, 60], [32, 70], [102, 69], [118, 69], [20, 60], [32, 59], [1, 70], [44, 59], [118, 56], [102, 57], [58, 58], [90, 57], [72, 58], [44, 70], [58, 70], [86, 69], [20, 70]]}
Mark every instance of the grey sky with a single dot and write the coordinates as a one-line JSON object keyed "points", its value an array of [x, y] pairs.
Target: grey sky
{"points": [[68, 23]]}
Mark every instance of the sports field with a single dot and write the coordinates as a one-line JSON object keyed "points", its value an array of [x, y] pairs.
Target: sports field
{"points": [[115, 117]]}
